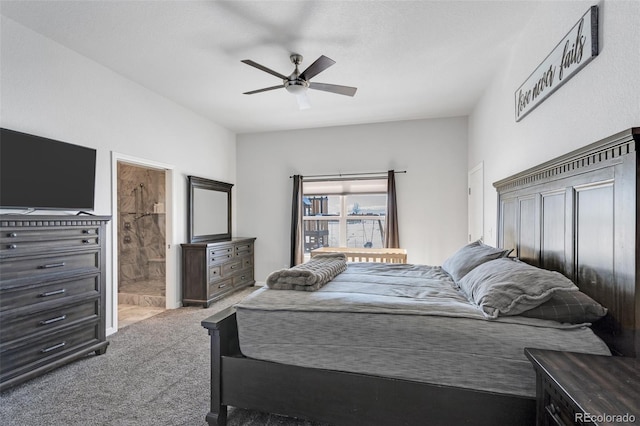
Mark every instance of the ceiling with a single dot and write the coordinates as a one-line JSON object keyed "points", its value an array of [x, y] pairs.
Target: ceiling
{"points": [[408, 59]]}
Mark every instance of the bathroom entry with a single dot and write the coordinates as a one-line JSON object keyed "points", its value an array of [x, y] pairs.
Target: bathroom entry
{"points": [[141, 236]]}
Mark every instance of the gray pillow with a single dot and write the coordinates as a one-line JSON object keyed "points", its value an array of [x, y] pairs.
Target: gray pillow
{"points": [[509, 287], [468, 257], [573, 307]]}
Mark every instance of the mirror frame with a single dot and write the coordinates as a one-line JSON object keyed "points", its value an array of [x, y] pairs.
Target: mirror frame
{"points": [[211, 185]]}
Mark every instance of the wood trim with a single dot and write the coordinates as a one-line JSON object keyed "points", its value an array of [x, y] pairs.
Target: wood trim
{"points": [[601, 152], [7, 221]]}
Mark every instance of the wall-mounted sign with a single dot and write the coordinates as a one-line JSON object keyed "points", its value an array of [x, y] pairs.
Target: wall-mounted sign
{"points": [[575, 51]]}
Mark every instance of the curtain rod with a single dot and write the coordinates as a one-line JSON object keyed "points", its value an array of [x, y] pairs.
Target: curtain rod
{"points": [[339, 175]]}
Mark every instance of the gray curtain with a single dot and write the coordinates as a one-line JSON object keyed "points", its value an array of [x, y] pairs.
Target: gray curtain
{"points": [[297, 229], [391, 236]]}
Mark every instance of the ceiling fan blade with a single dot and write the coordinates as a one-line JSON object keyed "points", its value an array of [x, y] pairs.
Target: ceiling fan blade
{"points": [[263, 68], [321, 64], [264, 90], [334, 88]]}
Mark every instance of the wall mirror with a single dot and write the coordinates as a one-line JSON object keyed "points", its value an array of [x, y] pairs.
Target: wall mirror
{"points": [[209, 210]]}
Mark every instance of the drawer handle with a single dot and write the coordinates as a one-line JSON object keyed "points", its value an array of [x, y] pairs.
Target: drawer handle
{"points": [[52, 265], [86, 231], [553, 412], [12, 246], [52, 320], [85, 241], [222, 285], [53, 348], [52, 293], [233, 266], [12, 234]]}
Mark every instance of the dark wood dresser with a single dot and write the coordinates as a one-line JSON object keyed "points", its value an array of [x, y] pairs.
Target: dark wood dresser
{"points": [[213, 270], [583, 389], [52, 293]]}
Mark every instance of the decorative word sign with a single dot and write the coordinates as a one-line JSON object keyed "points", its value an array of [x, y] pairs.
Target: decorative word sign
{"points": [[575, 51]]}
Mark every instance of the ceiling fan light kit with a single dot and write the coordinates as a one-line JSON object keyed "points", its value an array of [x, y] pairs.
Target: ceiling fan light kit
{"points": [[296, 87], [298, 82]]}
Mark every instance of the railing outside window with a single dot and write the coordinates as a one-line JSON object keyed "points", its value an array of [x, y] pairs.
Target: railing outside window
{"points": [[351, 220]]}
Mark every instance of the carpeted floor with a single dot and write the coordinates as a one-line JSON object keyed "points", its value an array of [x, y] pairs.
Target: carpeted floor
{"points": [[155, 372]]}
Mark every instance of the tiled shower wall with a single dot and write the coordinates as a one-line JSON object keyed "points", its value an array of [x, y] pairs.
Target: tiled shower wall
{"points": [[141, 233]]}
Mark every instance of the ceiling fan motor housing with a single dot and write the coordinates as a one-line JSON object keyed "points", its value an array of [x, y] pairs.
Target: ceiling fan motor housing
{"points": [[294, 84]]}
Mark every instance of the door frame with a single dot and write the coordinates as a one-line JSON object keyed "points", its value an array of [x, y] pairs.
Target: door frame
{"points": [[479, 172], [170, 259]]}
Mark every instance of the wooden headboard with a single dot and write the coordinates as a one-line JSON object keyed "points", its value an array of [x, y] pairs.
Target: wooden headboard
{"points": [[578, 215]]}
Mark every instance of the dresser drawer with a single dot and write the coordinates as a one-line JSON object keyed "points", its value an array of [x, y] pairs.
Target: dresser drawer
{"points": [[558, 410], [215, 273], [22, 325], [247, 262], [219, 287], [245, 277], [230, 268], [48, 292], [219, 254], [38, 266], [244, 249], [26, 240], [27, 355]]}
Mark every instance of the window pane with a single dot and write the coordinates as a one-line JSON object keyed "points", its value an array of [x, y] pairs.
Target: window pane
{"points": [[320, 233], [366, 204], [322, 205], [351, 220], [368, 233]]}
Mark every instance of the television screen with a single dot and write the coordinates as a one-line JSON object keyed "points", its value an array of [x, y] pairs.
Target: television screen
{"points": [[41, 173]]}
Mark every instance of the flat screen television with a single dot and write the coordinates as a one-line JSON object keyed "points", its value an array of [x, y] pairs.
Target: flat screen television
{"points": [[41, 173]]}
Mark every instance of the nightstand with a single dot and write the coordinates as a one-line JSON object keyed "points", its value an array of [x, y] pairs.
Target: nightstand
{"points": [[582, 389]]}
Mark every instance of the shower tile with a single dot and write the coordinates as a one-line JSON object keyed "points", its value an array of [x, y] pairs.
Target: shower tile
{"points": [[141, 263]]}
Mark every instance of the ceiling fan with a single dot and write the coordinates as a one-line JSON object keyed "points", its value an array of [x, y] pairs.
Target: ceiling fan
{"points": [[298, 82]]}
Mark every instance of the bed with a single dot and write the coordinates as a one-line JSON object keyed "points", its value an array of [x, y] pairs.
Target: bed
{"points": [[575, 215]]}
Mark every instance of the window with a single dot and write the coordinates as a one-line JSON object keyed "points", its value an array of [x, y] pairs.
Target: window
{"points": [[344, 213]]}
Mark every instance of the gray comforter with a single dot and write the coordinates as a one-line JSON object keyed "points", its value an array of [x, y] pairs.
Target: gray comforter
{"points": [[402, 321], [385, 288]]}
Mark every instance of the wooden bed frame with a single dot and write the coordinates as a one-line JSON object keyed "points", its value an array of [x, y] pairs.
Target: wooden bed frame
{"points": [[575, 214]]}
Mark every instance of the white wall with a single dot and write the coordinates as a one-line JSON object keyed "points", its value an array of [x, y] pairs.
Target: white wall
{"points": [[51, 91], [600, 100], [432, 197]]}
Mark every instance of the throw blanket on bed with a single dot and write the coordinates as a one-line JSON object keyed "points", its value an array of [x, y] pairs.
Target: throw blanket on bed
{"points": [[309, 276]]}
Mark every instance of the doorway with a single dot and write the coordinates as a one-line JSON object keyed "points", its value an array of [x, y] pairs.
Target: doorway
{"points": [[142, 233], [141, 239]]}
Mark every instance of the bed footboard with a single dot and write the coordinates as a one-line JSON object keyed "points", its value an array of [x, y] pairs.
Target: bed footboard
{"points": [[341, 398], [223, 330]]}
